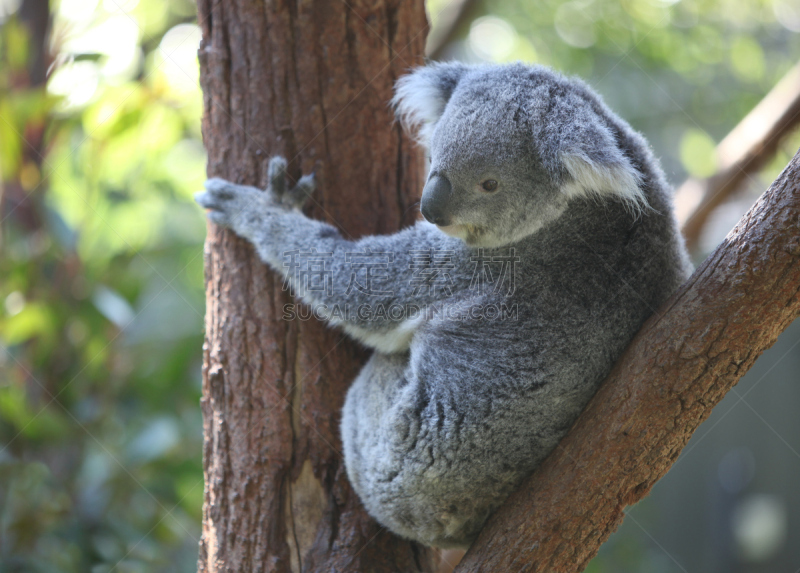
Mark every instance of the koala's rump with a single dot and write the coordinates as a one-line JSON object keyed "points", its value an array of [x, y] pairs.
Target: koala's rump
{"points": [[436, 438]]}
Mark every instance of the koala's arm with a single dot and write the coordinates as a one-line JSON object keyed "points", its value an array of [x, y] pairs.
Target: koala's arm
{"points": [[371, 287]]}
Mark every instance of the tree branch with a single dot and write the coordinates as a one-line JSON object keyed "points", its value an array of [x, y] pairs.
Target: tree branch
{"points": [[679, 366], [746, 149], [453, 17]]}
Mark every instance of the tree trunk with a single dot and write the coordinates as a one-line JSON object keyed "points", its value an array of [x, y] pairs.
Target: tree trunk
{"points": [[21, 192], [680, 365], [310, 81]]}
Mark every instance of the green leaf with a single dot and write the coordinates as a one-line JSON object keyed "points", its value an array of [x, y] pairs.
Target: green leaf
{"points": [[34, 320]]}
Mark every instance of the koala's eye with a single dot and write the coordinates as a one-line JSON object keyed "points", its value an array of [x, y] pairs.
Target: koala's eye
{"points": [[489, 185]]}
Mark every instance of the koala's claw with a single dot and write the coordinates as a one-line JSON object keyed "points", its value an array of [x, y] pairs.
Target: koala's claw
{"points": [[297, 196], [277, 175], [293, 198]]}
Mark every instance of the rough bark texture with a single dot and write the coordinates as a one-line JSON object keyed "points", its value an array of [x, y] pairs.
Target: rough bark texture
{"points": [[310, 81], [679, 366]]}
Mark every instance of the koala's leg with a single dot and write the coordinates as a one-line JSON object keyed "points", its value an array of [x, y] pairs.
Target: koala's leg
{"points": [[376, 288], [429, 447]]}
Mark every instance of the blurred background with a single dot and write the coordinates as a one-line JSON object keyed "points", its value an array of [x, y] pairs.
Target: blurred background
{"points": [[101, 269]]}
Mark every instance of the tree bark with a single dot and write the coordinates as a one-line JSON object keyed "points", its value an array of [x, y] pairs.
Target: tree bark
{"points": [[310, 81], [679, 366]]}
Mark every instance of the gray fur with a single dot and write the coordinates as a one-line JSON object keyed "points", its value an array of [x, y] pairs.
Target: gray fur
{"points": [[456, 407]]}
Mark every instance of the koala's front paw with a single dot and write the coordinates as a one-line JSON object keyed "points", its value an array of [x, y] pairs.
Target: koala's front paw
{"points": [[231, 205], [293, 198], [239, 207]]}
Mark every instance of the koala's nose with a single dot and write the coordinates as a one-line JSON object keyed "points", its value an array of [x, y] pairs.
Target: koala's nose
{"points": [[435, 196]]}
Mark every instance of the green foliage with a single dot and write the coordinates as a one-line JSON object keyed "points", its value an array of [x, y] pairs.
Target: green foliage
{"points": [[101, 322], [697, 153]]}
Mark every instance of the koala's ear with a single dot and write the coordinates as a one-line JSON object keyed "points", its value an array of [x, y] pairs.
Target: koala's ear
{"points": [[421, 96], [594, 165]]}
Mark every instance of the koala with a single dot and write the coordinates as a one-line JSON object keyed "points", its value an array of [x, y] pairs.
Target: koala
{"points": [[547, 238]]}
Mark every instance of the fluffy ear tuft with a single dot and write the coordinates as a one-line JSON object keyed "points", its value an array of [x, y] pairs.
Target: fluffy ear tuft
{"points": [[421, 96], [617, 179], [593, 163]]}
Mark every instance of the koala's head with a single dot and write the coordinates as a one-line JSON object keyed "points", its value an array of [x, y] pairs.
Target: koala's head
{"points": [[509, 147]]}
